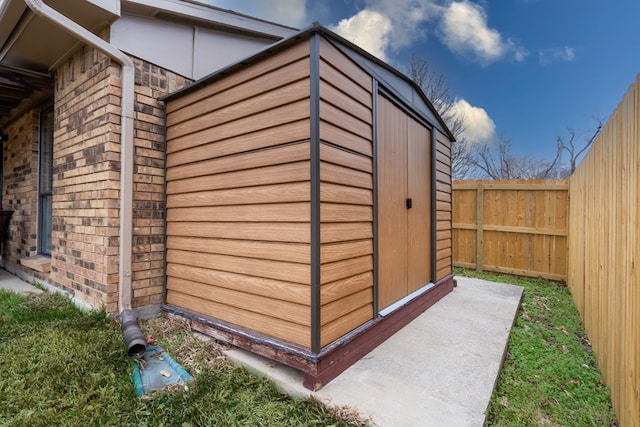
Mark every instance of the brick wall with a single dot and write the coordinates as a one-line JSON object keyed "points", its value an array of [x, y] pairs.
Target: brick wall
{"points": [[152, 82], [19, 192], [86, 180], [86, 183]]}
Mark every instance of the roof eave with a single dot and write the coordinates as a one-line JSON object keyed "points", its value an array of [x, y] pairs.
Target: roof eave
{"points": [[204, 14]]}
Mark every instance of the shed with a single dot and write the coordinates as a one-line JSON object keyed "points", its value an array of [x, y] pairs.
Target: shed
{"points": [[308, 203]]}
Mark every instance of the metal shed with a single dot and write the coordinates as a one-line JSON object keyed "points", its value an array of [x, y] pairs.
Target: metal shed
{"points": [[308, 203]]}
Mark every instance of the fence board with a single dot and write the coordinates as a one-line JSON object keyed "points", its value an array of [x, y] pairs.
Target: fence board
{"points": [[604, 246], [516, 227]]}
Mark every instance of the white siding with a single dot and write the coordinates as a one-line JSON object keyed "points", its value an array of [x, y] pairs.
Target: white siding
{"points": [[189, 50]]}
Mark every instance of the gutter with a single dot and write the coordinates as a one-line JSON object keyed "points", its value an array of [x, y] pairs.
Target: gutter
{"points": [[135, 340]]}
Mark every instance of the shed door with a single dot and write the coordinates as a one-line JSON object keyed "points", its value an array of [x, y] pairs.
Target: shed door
{"points": [[403, 232]]}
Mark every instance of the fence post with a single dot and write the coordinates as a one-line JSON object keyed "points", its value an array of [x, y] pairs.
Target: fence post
{"points": [[479, 223]]}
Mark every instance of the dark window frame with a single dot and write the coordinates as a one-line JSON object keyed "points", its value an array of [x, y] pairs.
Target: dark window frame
{"points": [[45, 181]]}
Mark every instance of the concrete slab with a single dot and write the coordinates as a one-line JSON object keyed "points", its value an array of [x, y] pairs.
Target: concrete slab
{"points": [[13, 283], [439, 370]]}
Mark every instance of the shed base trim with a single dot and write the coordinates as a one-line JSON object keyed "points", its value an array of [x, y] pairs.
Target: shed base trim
{"points": [[319, 368]]}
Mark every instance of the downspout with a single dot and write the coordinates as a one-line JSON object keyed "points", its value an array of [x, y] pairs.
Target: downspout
{"points": [[134, 338]]}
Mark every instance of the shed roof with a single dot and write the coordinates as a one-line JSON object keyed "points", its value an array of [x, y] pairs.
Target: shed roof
{"points": [[390, 78]]}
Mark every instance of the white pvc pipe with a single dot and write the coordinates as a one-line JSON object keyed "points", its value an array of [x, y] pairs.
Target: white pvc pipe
{"points": [[126, 137]]}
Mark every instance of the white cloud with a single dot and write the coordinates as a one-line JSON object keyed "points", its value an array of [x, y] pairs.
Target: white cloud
{"points": [[368, 29], [387, 25], [286, 12], [478, 126], [407, 17], [565, 53], [464, 29]]}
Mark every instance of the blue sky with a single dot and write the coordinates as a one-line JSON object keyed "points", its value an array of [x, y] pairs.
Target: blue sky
{"points": [[522, 69]]}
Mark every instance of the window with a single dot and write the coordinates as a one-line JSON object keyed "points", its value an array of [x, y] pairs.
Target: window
{"points": [[1, 169], [45, 184]]}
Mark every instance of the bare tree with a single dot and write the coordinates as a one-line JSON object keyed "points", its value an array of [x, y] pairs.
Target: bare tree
{"points": [[435, 86], [570, 147], [494, 160]]}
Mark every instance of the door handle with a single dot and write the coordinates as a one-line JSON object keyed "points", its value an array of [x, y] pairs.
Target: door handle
{"points": [[409, 203]]}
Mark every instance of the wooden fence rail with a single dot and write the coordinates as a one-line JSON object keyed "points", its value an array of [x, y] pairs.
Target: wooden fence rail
{"points": [[516, 227]]}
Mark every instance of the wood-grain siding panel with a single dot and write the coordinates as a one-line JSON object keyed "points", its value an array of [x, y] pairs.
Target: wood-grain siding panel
{"points": [[338, 117], [334, 193], [444, 168], [444, 150], [442, 245], [337, 156], [345, 324], [444, 241], [274, 213], [443, 216], [275, 193], [443, 225], [443, 177], [289, 252], [334, 271], [344, 101], [283, 154], [333, 252], [267, 65], [272, 83], [441, 196], [443, 263], [342, 232], [444, 272], [332, 134], [286, 291], [336, 309], [271, 326], [443, 206], [278, 174], [346, 67], [334, 212], [269, 306], [443, 145], [442, 157], [443, 235], [283, 115], [286, 271], [345, 176], [265, 138], [330, 74], [443, 187], [249, 106], [261, 231], [342, 288], [444, 253]]}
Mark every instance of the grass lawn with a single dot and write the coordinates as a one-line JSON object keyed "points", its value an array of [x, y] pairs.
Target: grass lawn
{"points": [[550, 376], [60, 366]]}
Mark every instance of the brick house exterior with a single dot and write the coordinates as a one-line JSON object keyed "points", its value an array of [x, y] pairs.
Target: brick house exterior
{"points": [[84, 91]]}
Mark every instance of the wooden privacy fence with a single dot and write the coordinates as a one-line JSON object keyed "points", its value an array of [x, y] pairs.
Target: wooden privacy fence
{"points": [[586, 230], [604, 251], [517, 227]]}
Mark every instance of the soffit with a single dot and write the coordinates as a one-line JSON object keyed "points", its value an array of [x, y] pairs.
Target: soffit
{"points": [[31, 47]]}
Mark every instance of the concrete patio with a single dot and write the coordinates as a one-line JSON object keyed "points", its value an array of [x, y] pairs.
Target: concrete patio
{"points": [[440, 370]]}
